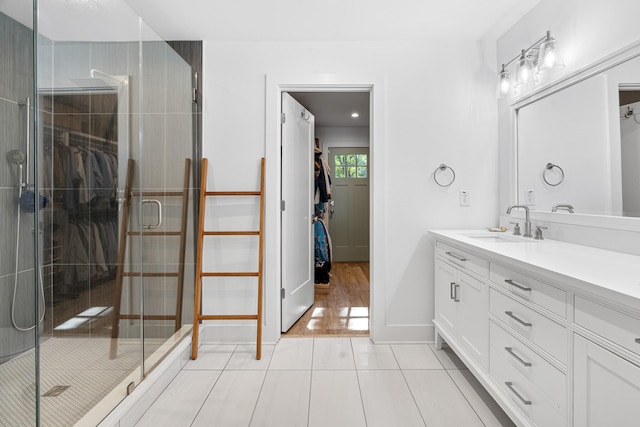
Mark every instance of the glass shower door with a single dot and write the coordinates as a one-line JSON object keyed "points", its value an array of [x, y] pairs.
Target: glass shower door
{"points": [[165, 204]]}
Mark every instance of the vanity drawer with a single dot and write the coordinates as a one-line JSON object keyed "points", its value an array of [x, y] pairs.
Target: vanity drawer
{"points": [[542, 374], [463, 259], [533, 404], [528, 323], [609, 323], [532, 290]]}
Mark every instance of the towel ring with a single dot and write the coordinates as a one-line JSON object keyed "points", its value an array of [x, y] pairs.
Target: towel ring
{"points": [[549, 167], [443, 168]]}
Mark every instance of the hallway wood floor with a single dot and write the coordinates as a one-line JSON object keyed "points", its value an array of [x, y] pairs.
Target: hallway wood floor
{"points": [[344, 310]]}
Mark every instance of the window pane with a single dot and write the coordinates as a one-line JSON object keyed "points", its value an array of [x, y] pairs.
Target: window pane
{"points": [[351, 170], [340, 172], [362, 171], [362, 159], [351, 159], [339, 159]]}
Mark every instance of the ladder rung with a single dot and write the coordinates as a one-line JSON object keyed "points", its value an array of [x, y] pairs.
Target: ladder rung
{"points": [[148, 274], [229, 274], [157, 193], [232, 193], [228, 317], [147, 317], [231, 233], [153, 233]]}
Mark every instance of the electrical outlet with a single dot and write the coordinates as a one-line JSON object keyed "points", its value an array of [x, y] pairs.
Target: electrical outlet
{"points": [[529, 197], [465, 198]]}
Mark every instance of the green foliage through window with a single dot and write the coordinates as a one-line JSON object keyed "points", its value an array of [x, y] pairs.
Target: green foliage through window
{"points": [[351, 166]]}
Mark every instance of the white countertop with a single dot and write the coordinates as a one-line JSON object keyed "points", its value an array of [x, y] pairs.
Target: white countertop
{"points": [[609, 274]]}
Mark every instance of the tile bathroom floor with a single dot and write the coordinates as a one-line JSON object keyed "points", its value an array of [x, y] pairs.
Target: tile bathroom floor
{"points": [[325, 381]]}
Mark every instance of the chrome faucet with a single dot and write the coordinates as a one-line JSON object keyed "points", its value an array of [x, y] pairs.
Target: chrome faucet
{"points": [[562, 206], [527, 219]]}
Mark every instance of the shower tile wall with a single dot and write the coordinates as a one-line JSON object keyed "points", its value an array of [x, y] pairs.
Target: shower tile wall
{"points": [[16, 84]]}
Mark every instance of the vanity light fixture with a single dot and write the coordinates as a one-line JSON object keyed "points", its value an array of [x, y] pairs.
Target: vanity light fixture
{"points": [[525, 70], [541, 57]]}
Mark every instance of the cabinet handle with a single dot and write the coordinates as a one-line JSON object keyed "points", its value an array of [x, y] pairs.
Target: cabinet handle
{"points": [[510, 351], [522, 322], [513, 390], [453, 291], [517, 285], [456, 256]]}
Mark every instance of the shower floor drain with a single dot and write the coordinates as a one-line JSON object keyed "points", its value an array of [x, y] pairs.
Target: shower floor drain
{"points": [[56, 391]]}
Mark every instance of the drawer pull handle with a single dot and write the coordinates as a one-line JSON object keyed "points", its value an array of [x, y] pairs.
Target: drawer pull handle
{"points": [[513, 390], [517, 285], [453, 291], [517, 319], [456, 256], [510, 351]]}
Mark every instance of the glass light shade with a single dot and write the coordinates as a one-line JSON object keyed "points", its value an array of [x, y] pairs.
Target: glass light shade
{"points": [[504, 83], [550, 58], [525, 72]]}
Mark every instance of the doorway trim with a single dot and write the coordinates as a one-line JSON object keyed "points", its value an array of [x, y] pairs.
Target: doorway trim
{"points": [[375, 85]]}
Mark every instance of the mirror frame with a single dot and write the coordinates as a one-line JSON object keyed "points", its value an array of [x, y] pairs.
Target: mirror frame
{"points": [[602, 65]]}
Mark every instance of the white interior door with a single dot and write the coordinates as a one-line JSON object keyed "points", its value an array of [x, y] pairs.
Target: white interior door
{"points": [[297, 195]]}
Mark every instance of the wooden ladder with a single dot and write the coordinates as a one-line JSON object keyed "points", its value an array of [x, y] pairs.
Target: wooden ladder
{"points": [[122, 249], [197, 309]]}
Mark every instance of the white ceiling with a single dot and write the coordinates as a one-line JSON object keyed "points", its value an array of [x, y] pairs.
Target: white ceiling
{"points": [[335, 108], [329, 20]]}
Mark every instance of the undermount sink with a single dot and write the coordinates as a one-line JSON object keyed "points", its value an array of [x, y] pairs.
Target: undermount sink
{"points": [[499, 238]]}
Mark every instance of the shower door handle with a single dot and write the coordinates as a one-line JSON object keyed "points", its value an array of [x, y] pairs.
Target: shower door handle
{"points": [[159, 205]]}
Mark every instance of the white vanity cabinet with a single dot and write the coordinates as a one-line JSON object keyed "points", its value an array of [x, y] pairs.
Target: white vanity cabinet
{"points": [[606, 376], [529, 345], [461, 296], [551, 329]]}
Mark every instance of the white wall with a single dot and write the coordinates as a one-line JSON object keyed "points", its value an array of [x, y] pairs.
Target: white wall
{"points": [[343, 136], [439, 107]]}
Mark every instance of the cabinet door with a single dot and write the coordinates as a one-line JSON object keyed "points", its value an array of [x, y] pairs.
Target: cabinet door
{"points": [[606, 387], [473, 319], [446, 308]]}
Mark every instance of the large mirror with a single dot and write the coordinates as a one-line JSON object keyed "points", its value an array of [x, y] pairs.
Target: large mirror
{"points": [[580, 146]]}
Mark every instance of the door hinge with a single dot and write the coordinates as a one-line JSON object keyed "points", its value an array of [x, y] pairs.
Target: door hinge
{"points": [[283, 118], [282, 293], [282, 204]]}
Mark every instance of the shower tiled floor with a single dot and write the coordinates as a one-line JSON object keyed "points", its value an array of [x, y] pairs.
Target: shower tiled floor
{"points": [[83, 364]]}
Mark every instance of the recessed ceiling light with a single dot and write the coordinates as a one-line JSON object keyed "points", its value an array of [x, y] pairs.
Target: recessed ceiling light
{"points": [[355, 115]]}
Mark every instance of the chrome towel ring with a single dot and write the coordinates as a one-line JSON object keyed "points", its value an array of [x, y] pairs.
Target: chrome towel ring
{"points": [[549, 168], [441, 169]]}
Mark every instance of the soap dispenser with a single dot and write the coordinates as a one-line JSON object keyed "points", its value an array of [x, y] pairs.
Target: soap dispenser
{"points": [[516, 228]]}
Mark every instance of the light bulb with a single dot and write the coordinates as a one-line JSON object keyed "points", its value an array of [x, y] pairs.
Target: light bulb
{"points": [[550, 58], [524, 70], [504, 83]]}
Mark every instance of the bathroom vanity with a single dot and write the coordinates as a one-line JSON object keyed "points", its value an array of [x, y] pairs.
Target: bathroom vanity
{"points": [[551, 329]]}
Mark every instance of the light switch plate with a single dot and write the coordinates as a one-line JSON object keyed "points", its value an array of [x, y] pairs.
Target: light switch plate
{"points": [[465, 198], [529, 197]]}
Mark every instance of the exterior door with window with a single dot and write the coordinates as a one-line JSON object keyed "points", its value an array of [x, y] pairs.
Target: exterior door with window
{"points": [[349, 218]]}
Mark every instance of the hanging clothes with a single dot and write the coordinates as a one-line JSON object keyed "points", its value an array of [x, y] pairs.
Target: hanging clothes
{"points": [[322, 250], [323, 181]]}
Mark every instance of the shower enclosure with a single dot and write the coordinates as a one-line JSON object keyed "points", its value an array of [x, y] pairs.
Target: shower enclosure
{"points": [[96, 212]]}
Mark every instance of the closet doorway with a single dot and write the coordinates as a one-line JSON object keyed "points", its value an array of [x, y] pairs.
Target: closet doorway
{"points": [[342, 132]]}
